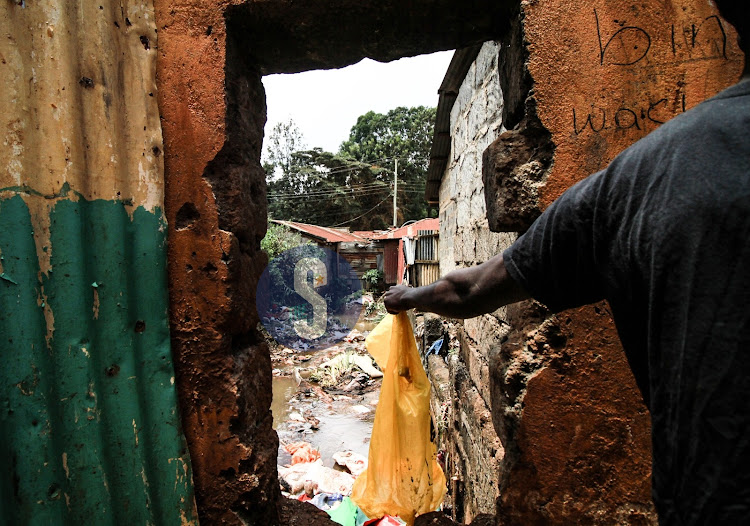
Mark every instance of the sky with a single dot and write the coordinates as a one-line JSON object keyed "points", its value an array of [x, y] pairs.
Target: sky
{"points": [[325, 104]]}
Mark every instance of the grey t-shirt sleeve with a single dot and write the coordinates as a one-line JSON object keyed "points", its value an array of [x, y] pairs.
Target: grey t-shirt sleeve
{"points": [[559, 260]]}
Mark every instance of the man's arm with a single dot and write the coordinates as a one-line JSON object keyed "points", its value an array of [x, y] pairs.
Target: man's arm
{"points": [[463, 293]]}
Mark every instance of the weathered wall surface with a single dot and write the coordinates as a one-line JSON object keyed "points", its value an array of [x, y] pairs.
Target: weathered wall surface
{"points": [[89, 418], [213, 111], [211, 57], [604, 74], [474, 452]]}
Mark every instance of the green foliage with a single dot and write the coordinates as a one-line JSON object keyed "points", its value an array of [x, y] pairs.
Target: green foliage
{"points": [[326, 189], [279, 238], [373, 278], [354, 187], [403, 133]]}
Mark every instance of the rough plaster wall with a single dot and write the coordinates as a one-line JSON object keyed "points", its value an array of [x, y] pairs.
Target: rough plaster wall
{"points": [[576, 434], [215, 206], [476, 120]]}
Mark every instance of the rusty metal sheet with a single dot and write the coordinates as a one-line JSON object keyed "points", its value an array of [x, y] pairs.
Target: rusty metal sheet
{"points": [[90, 427]]}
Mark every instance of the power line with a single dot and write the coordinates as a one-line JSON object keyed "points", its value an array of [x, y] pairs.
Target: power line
{"points": [[334, 194], [366, 186], [361, 215]]}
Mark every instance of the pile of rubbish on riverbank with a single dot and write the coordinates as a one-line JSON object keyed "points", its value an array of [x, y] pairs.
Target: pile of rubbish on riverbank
{"points": [[328, 489]]}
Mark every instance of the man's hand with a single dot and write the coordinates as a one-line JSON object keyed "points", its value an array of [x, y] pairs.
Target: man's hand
{"points": [[394, 299], [463, 293]]}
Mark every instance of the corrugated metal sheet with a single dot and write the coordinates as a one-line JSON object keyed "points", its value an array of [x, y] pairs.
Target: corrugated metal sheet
{"points": [[410, 230], [390, 262], [427, 262], [324, 233], [90, 427]]}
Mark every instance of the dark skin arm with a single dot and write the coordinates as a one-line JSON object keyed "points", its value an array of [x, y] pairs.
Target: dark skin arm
{"points": [[463, 293]]}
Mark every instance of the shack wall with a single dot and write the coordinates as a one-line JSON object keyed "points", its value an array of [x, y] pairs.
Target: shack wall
{"points": [[90, 426]]}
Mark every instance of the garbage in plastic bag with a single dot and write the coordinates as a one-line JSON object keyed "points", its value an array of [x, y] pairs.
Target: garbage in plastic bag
{"points": [[403, 477], [302, 452]]}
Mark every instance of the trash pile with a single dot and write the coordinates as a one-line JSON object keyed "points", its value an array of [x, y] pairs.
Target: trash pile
{"points": [[328, 489], [405, 478]]}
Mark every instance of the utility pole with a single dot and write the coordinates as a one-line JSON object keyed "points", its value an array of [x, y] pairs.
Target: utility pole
{"points": [[395, 190]]}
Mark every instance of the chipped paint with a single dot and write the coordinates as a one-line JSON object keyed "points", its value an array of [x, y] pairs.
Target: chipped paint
{"points": [[82, 261], [65, 465], [96, 303]]}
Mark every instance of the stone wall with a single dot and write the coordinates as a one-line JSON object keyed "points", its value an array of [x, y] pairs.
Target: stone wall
{"points": [[474, 451], [580, 83]]}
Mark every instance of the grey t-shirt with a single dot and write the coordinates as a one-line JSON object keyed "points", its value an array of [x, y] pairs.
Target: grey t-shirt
{"points": [[663, 234]]}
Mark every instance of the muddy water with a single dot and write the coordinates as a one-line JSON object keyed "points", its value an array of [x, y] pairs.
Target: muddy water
{"points": [[284, 388], [344, 424]]}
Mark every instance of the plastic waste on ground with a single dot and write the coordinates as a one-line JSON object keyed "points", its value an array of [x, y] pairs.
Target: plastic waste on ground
{"points": [[320, 479], [326, 501], [352, 461], [362, 362], [345, 513], [402, 478], [302, 452], [385, 521]]}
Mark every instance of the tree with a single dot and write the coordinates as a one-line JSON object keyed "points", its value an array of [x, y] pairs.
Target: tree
{"points": [[326, 189], [278, 239], [285, 139], [354, 187], [402, 133]]}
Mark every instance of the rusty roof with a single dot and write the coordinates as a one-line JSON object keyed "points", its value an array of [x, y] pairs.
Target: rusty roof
{"points": [[410, 230], [324, 233]]}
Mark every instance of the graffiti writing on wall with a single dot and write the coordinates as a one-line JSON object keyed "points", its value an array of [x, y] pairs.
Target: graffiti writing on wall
{"points": [[640, 116], [631, 45]]}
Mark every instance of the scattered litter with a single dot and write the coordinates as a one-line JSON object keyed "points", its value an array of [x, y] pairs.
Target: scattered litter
{"points": [[320, 478], [360, 409], [344, 514], [354, 462], [302, 452], [385, 521], [326, 501]]}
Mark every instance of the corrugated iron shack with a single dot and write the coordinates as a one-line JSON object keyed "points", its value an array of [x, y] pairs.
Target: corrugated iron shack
{"points": [[359, 249], [91, 433], [410, 253]]}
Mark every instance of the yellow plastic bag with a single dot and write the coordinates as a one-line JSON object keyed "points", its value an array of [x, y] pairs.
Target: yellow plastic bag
{"points": [[403, 478]]}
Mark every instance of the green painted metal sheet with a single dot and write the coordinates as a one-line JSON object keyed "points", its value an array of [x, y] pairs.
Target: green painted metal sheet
{"points": [[90, 430], [89, 422]]}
